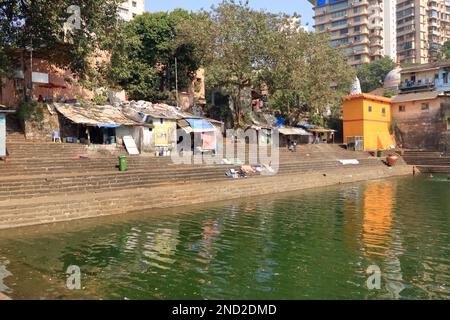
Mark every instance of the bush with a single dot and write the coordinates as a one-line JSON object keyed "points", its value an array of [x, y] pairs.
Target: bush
{"points": [[31, 111]]}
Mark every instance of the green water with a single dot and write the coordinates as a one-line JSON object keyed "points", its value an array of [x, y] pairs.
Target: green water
{"points": [[314, 244]]}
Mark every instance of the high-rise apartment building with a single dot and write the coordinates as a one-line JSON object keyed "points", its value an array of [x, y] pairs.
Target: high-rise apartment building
{"points": [[131, 8], [363, 29], [422, 28]]}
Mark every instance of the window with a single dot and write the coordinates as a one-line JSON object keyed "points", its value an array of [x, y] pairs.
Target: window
{"points": [[338, 14], [134, 4], [357, 29], [425, 106], [370, 108], [401, 108], [383, 112], [338, 23]]}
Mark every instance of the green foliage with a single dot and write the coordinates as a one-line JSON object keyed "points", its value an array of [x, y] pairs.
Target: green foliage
{"points": [[394, 126], [246, 48], [143, 61], [316, 119], [373, 74], [39, 25], [389, 94], [30, 111], [446, 50], [100, 97]]}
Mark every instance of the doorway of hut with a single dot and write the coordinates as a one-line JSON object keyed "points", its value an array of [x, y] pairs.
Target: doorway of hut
{"points": [[101, 135]]}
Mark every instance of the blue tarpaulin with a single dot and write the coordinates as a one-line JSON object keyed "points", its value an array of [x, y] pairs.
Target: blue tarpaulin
{"points": [[112, 126], [200, 125], [280, 122]]}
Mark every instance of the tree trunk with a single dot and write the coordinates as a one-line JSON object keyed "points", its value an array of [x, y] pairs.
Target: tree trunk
{"points": [[22, 68], [237, 107]]}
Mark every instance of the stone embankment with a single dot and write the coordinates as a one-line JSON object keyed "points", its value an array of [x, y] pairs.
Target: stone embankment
{"points": [[429, 161], [45, 183]]}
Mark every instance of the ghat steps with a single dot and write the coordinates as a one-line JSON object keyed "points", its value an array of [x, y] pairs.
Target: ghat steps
{"points": [[45, 182], [428, 161]]}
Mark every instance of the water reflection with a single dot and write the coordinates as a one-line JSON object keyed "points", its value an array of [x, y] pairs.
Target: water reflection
{"points": [[379, 237], [377, 227], [311, 245]]}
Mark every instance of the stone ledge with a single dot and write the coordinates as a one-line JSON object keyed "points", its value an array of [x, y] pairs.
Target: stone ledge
{"points": [[34, 211]]}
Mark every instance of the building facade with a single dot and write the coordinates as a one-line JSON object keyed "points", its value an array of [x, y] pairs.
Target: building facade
{"points": [[367, 118], [423, 26], [131, 8], [421, 110], [363, 29]]}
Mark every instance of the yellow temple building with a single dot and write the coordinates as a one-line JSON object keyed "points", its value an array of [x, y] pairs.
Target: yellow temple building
{"points": [[367, 120]]}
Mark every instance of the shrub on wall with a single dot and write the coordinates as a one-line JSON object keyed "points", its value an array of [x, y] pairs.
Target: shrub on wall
{"points": [[30, 111]]}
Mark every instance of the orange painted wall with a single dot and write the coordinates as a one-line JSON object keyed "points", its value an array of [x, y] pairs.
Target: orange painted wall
{"points": [[373, 125]]}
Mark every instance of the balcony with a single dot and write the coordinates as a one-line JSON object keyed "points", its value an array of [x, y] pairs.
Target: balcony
{"points": [[417, 86]]}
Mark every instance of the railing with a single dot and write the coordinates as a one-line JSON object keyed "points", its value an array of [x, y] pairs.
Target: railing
{"points": [[416, 85]]}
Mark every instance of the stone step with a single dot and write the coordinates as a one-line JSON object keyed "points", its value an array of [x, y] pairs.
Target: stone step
{"points": [[434, 169], [39, 187]]}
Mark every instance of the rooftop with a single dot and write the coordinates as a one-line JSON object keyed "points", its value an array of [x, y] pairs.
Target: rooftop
{"points": [[427, 67], [368, 97]]}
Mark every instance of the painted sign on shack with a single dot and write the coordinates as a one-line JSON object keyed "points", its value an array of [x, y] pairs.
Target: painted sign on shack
{"points": [[2, 135], [3, 112]]}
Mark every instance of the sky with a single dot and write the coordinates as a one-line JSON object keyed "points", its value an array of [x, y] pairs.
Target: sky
{"points": [[302, 7]]}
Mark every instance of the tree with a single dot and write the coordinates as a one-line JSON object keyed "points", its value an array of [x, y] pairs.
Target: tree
{"points": [[446, 50], [373, 74], [234, 50], [143, 62], [38, 26], [307, 74], [246, 48]]}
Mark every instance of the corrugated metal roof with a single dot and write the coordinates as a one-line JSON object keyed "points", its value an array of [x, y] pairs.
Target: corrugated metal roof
{"points": [[95, 115], [294, 132], [416, 96], [162, 111]]}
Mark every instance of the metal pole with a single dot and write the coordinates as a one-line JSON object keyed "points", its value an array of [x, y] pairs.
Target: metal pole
{"points": [[31, 71], [176, 79]]}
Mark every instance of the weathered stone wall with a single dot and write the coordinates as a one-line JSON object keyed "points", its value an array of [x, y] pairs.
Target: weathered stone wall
{"points": [[33, 211], [417, 128], [42, 130]]}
